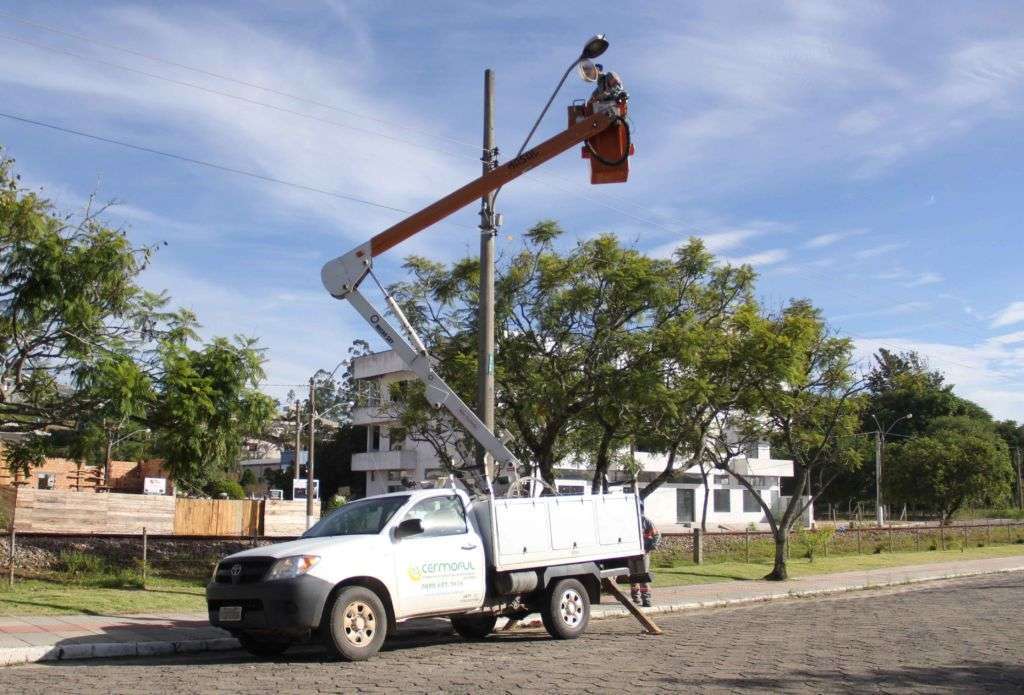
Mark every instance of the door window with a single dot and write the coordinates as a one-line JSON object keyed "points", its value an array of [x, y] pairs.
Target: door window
{"points": [[440, 516]]}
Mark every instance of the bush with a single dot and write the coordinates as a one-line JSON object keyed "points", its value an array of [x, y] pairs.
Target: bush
{"points": [[78, 564], [230, 488]]}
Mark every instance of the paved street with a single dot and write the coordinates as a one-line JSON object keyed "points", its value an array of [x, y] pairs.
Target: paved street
{"points": [[953, 636]]}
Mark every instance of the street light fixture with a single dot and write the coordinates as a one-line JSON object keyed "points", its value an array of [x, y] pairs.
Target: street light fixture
{"points": [[594, 47], [880, 435], [597, 45]]}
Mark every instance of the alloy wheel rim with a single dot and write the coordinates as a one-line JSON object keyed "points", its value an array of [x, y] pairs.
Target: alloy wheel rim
{"points": [[359, 623]]}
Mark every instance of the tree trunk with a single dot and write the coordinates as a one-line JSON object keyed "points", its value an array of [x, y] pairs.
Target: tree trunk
{"points": [[603, 460], [704, 511], [779, 572]]}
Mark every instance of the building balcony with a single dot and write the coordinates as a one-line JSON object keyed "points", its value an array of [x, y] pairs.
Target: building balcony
{"points": [[399, 460], [371, 415]]}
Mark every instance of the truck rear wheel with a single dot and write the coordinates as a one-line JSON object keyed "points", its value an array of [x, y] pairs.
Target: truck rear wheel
{"points": [[566, 610], [474, 627], [358, 623]]}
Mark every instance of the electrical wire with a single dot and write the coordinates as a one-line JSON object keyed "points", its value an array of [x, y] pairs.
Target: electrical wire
{"points": [[200, 162], [228, 95], [311, 117], [227, 78]]}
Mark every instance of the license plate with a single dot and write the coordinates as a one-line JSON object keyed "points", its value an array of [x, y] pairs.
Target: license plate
{"points": [[230, 614]]}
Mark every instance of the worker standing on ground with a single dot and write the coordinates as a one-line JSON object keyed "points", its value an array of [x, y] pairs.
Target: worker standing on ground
{"points": [[640, 592]]}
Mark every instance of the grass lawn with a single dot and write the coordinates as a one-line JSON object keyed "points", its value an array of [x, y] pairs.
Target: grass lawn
{"points": [[48, 597], [682, 574]]}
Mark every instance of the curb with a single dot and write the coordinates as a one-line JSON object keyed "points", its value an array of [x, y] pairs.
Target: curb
{"points": [[99, 650], [618, 612]]}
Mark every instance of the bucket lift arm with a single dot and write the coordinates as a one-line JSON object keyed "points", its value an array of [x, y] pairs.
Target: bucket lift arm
{"points": [[343, 275]]}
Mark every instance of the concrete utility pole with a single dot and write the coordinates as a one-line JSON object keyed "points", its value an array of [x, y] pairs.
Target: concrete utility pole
{"points": [[485, 311], [309, 462], [879, 511], [298, 440], [1020, 480]]}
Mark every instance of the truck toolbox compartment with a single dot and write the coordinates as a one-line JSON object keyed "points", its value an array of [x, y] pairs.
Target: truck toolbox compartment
{"points": [[537, 531]]}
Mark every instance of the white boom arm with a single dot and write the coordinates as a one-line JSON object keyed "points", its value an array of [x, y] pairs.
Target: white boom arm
{"points": [[343, 275]]}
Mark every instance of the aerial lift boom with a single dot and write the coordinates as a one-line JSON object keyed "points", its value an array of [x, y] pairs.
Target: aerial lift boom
{"points": [[343, 275]]}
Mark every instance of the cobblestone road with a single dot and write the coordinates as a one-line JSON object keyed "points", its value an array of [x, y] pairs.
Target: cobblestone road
{"points": [[956, 636]]}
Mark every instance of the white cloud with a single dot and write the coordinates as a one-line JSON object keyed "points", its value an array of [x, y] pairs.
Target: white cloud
{"points": [[1008, 338], [1013, 313], [823, 240], [927, 278], [989, 372], [879, 250], [715, 242], [761, 258]]}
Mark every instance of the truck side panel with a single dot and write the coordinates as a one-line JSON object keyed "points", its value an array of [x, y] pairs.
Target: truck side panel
{"points": [[539, 531]]}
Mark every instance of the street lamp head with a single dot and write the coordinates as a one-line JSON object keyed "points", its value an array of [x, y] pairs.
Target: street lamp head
{"points": [[910, 416], [597, 45]]}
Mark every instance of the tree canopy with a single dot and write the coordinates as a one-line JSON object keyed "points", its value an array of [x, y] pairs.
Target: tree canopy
{"points": [[91, 357]]}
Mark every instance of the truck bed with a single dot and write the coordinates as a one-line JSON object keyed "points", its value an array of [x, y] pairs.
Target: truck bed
{"points": [[521, 533]]}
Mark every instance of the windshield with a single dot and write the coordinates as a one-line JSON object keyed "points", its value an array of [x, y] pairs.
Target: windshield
{"points": [[355, 518]]}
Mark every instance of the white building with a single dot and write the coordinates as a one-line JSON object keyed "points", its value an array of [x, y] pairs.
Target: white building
{"points": [[672, 506]]}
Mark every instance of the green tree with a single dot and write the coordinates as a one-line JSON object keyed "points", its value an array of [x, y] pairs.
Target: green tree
{"points": [[958, 462], [247, 478], [24, 454], [68, 292], [575, 356], [803, 397], [207, 403]]}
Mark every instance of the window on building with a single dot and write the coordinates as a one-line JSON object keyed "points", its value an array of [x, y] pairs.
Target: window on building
{"points": [[722, 501], [750, 503], [375, 441], [440, 516]]}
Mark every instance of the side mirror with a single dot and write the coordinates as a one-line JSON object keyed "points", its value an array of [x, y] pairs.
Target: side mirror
{"points": [[409, 527]]}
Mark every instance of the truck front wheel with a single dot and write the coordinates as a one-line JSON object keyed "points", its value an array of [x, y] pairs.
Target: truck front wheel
{"points": [[474, 627], [566, 610], [359, 623]]}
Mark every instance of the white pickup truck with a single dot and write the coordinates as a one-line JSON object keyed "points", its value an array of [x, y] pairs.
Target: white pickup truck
{"points": [[382, 560]]}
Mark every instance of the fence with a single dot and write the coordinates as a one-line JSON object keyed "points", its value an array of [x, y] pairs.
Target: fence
{"points": [[759, 546], [59, 511]]}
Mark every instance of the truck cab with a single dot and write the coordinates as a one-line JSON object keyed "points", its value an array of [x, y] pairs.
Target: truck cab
{"points": [[372, 563]]}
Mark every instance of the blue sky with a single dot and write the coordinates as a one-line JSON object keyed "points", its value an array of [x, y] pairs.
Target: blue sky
{"points": [[865, 155]]}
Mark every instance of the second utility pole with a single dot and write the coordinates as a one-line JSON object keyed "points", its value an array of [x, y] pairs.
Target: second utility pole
{"points": [[485, 310], [310, 520]]}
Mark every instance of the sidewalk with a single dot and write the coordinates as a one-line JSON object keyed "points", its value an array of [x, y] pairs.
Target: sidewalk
{"points": [[50, 638]]}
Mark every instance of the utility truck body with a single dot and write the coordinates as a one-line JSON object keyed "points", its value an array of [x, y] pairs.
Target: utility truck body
{"points": [[382, 560]]}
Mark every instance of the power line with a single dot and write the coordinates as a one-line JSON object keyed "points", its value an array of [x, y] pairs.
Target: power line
{"points": [[546, 180], [542, 179], [200, 162], [227, 95], [227, 78]]}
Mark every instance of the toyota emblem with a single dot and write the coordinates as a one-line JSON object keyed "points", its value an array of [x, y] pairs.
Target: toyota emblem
{"points": [[236, 570]]}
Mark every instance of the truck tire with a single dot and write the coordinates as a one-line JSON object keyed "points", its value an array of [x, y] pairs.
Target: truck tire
{"points": [[262, 645], [474, 627], [358, 623], [566, 610]]}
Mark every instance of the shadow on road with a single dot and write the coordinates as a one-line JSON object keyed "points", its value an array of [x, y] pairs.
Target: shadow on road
{"points": [[970, 677]]}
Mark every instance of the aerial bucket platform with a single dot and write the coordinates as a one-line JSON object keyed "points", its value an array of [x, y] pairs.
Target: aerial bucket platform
{"points": [[608, 151]]}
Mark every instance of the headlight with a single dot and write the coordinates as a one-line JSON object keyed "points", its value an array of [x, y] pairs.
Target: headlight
{"points": [[290, 567]]}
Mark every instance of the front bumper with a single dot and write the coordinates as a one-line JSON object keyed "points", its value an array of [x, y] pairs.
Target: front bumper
{"points": [[292, 605]]}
